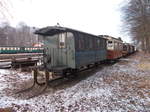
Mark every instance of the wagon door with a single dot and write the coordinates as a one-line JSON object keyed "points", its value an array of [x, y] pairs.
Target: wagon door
{"points": [[62, 50], [65, 50]]}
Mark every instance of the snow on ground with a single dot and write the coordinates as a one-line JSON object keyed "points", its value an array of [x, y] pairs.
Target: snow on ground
{"points": [[124, 86]]}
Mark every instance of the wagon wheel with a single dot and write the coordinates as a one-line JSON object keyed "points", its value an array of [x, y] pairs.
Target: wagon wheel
{"points": [[70, 73]]}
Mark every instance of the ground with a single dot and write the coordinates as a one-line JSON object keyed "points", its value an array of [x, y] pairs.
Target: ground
{"points": [[120, 87]]}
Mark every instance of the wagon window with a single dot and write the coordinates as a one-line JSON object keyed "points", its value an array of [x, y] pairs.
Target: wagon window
{"points": [[86, 42], [102, 44], [62, 40], [90, 43], [109, 42], [121, 46], [116, 47], [94, 44], [98, 43], [81, 41]]}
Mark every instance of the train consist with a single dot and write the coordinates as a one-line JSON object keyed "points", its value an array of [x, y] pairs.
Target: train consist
{"points": [[68, 51], [116, 48], [17, 49]]}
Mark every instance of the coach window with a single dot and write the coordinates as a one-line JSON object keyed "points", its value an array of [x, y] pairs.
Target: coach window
{"points": [[86, 43], [109, 42], [98, 43], [62, 40], [76, 35], [115, 45], [94, 43], [121, 47], [101, 44], [118, 46], [81, 41], [90, 43]]}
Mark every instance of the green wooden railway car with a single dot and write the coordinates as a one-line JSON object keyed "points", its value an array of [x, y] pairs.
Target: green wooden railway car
{"points": [[65, 48]]}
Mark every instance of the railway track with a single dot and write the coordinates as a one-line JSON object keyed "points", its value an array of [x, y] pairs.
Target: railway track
{"points": [[6, 60], [38, 88], [20, 55]]}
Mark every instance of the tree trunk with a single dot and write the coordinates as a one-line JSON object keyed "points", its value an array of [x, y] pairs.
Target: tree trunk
{"points": [[148, 44]]}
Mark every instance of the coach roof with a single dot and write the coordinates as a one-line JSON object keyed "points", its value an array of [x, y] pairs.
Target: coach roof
{"points": [[52, 30]]}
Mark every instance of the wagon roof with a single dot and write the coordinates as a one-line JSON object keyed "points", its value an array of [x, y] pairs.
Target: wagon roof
{"points": [[110, 37], [52, 30]]}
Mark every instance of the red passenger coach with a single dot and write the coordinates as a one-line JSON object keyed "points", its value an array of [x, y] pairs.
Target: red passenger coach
{"points": [[114, 47]]}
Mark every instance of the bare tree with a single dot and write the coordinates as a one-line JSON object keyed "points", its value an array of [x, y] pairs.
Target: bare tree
{"points": [[26, 35], [5, 12], [137, 21], [21, 36], [2, 37]]}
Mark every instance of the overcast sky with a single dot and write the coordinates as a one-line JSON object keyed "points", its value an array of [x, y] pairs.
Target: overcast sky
{"points": [[93, 16]]}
